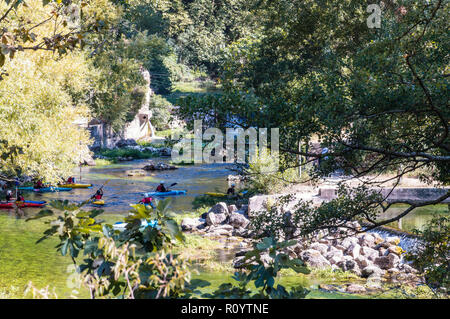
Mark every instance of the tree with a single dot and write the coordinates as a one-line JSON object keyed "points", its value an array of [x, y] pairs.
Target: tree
{"points": [[376, 98]]}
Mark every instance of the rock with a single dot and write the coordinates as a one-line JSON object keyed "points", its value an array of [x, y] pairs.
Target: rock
{"points": [[188, 224], [340, 247], [219, 232], [355, 289], [297, 248], [347, 264], [335, 260], [319, 247], [395, 250], [386, 262], [371, 271], [378, 238], [393, 271], [228, 228], [370, 253], [382, 251], [219, 208], [313, 258], [334, 253], [349, 241], [354, 250], [232, 209], [126, 143], [362, 262], [238, 262], [213, 219], [408, 269], [367, 240], [393, 240], [158, 167], [241, 232], [238, 220]]}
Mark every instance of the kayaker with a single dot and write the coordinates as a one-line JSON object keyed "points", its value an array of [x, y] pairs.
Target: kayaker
{"points": [[20, 197], [9, 196], [38, 184], [231, 190], [147, 200], [71, 180], [161, 188], [98, 195]]}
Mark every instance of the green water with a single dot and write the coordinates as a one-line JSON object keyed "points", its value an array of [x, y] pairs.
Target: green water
{"points": [[21, 260]]}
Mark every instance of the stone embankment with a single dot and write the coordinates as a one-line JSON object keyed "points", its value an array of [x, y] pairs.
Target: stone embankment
{"points": [[368, 255]]}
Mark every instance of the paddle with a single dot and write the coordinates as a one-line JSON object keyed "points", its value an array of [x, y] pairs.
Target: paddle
{"points": [[92, 199]]}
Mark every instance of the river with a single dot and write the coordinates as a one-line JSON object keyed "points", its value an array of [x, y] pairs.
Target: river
{"points": [[21, 260]]}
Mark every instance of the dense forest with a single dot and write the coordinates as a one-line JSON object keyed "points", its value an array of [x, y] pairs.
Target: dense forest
{"points": [[375, 98]]}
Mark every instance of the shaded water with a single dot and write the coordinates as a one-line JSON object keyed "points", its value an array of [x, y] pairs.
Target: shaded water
{"points": [[21, 260]]}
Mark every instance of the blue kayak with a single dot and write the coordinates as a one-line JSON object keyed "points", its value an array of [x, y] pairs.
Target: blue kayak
{"points": [[169, 193], [45, 189]]}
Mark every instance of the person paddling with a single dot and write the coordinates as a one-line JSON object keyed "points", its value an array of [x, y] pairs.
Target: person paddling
{"points": [[98, 195], [147, 200], [9, 196], [39, 184], [231, 190], [20, 197], [71, 180], [161, 188]]}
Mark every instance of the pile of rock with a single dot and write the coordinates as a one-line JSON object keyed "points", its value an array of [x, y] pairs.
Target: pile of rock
{"points": [[158, 167], [220, 220], [367, 255]]}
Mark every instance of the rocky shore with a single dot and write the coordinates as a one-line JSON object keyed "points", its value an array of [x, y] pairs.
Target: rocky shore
{"points": [[368, 255]]}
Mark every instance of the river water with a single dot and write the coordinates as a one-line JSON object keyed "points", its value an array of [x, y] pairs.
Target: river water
{"points": [[21, 260]]}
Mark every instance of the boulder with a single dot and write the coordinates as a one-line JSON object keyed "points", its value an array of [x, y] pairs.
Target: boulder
{"points": [[367, 240], [188, 224], [371, 271], [353, 250], [219, 208], [378, 238], [334, 253], [319, 247], [386, 262], [370, 253], [349, 241], [126, 143], [314, 258], [213, 219], [232, 209], [393, 240], [238, 220], [348, 264], [158, 167], [334, 260], [362, 262], [355, 289], [241, 232], [395, 250]]}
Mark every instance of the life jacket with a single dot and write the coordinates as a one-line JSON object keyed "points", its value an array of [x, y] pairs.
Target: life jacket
{"points": [[20, 198], [70, 180], [98, 196], [147, 200], [160, 188]]}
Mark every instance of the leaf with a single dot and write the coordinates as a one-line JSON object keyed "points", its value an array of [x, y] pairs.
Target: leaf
{"points": [[41, 214]]}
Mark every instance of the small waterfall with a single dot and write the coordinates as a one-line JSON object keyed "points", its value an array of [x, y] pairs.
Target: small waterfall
{"points": [[407, 242]]}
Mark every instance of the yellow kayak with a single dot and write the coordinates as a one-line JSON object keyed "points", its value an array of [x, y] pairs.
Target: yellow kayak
{"points": [[99, 202], [216, 194], [75, 185]]}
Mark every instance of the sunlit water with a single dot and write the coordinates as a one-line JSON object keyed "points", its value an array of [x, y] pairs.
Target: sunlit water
{"points": [[21, 260]]}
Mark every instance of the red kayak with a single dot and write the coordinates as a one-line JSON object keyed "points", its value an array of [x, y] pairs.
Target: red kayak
{"points": [[27, 203]]}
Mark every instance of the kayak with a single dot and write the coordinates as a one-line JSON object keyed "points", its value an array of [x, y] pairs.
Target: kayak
{"points": [[27, 203], [75, 185], [121, 226], [216, 194], [223, 194], [45, 189], [169, 193], [99, 202]]}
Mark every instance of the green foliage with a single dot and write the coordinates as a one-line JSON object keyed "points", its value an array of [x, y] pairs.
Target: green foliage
{"points": [[116, 153], [263, 273], [432, 254]]}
